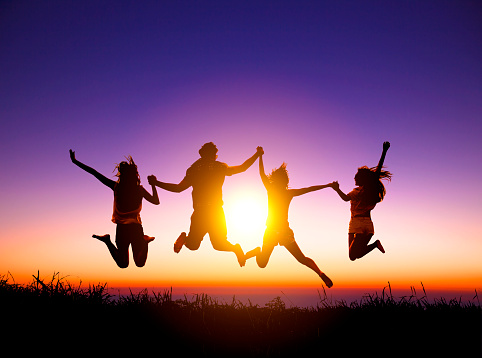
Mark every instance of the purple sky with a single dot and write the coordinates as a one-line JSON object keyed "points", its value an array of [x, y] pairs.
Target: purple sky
{"points": [[320, 85]]}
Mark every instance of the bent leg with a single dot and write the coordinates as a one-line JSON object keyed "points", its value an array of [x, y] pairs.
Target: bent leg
{"points": [[222, 244], [264, 253], [351, 249], [197, 231], [263, 256], [139, 245], [193, 241], [253, 253], [295, 250], [122, 241], [359, 246], [218, 235], [120, 254]]}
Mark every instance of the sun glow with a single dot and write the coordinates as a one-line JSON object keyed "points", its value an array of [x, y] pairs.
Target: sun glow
{"points": [[246, 217]]}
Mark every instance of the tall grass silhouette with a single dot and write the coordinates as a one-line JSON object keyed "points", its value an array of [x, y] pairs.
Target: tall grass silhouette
{"points": [[73, 318]]}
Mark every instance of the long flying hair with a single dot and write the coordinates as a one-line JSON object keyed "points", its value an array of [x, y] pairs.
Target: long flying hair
{"points": [[372, 183]]}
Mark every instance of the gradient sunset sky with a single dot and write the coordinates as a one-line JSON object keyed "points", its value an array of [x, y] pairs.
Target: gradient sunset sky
{"points": [[319, 84]]}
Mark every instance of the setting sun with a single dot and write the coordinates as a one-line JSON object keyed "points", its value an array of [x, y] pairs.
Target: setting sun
{"points": [[246, 217]]}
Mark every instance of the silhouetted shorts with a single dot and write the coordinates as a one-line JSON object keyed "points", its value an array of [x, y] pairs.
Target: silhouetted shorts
{"points": [[361, 225], [130, 234], [278, 236], [208, 220]]}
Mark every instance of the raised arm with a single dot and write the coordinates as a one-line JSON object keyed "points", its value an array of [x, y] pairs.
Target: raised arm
{"points": [[386, 145], [243, 167], [297, 192], [106, 181], [175, 188], [336, 187], [262, 174]]}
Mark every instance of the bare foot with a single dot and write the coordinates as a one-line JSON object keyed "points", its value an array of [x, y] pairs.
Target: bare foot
{"points": [[240, 255], [380, 247], [179, 242], [104, 238], [326, 280], [149, 238]]}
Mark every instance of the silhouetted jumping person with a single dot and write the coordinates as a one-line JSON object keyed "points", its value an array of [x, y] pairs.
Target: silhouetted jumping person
{"points": [[206, 177], [278, 231], [128, 195], [369, 191]]}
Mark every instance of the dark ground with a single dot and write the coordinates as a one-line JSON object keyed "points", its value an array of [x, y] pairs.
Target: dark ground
{"points": [[59, 320]]}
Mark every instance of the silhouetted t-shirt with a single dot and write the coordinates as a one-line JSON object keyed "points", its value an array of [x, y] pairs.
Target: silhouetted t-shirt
{"points": [[127, 204], [207, 178], [278, 205], [359, 202]]}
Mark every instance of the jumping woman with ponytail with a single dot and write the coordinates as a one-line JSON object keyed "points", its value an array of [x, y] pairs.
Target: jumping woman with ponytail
{"points": [[369, 191]]}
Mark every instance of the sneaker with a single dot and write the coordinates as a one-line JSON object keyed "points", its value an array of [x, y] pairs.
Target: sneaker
{"points": [[179, 242]]}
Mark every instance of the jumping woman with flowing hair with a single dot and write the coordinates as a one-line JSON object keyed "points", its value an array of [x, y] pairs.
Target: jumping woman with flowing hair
{"points": [[278, 231], [128, 195], [363, 199]]}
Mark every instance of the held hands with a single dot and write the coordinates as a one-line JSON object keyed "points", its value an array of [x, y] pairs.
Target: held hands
{"points": [[386, 145], [259, 151], [334, 185]]}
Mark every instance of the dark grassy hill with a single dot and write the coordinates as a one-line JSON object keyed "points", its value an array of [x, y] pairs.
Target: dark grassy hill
{"points": [[56, 318]]}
